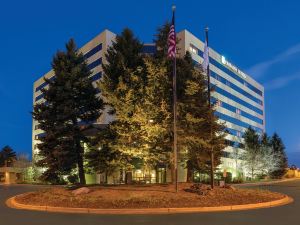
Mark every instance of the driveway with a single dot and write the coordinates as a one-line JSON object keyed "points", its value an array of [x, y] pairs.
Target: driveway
{"points": [[283, 215]]}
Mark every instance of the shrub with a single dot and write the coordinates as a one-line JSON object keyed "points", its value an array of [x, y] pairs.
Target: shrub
{"points": [[73, 179]]}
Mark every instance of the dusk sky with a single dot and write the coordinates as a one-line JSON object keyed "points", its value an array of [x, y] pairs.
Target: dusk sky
{"points": [[261, 37]]}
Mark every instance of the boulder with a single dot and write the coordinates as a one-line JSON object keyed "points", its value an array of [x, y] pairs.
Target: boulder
{"points": [[80, 191]]}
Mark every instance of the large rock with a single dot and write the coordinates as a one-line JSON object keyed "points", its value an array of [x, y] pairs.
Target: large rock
{"points": [[80, 191]]}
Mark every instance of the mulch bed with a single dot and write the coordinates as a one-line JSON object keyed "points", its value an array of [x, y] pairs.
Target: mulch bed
{"points": [[148, 196]]}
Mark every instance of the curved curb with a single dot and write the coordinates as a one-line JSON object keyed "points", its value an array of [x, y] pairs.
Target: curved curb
{"points": [[12, 203]]}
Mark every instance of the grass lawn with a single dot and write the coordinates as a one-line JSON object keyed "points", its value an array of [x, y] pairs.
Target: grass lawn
{"points": [[147, 196]]}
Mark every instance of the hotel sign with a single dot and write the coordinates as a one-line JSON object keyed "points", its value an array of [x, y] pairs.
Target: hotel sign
{"points": [[232, 67]]}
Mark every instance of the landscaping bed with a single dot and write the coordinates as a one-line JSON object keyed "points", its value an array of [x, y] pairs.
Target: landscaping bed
{"points": [[147, 196]]}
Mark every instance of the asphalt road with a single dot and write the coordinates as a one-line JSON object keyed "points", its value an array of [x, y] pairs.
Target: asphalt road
{"points": [[283, 215]]}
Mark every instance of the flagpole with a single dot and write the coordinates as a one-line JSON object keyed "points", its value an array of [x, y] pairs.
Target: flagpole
{"points": [[209, 105], [175, 112]]}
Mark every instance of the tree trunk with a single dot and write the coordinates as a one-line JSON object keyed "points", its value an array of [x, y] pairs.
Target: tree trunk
{"points": [[212, 181], [80, 163], [190, 173]]}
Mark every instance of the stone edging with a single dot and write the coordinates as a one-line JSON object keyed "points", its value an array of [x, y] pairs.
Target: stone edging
{"points": [[12, 203]]}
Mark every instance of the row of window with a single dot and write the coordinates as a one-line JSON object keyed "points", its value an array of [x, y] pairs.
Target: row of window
{"points": [[235, 87], [37, 98], [237, 110], [238, 100], [93, 51], [237, 122], [197, 51], [97, 62], [96, 77], [235, 132], [40, 87]]}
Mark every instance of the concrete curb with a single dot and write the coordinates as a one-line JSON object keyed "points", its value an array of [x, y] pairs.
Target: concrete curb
{"points": [[12, 203], [266, 182]]}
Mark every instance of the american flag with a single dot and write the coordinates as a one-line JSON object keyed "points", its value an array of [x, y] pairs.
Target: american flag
{"points": [[172, 40]]}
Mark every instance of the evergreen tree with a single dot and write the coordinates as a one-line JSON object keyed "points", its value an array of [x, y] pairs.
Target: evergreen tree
{"points": [[200, 130], [101, 157], [154, 114], [198, 127], [7, 156], [279, 149], [123, 87], [70, 108], [161, 41]]}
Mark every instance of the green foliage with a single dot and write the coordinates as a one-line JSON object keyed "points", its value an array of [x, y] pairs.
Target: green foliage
{"points": [[122, 88], [138, 94], [198, 129], [228, 178], [279, 148], [73, 178], [71, 107], [7, 156], [101, 156]]}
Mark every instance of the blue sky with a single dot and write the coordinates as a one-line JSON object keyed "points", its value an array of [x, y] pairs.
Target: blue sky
{"points": [[261, 37]]}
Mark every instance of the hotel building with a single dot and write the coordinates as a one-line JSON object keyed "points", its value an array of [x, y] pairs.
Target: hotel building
{"points": [[239, 98]]}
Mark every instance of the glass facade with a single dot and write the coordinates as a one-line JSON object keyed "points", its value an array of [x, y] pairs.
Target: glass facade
{"points": [[230, 73], [238, 102]]}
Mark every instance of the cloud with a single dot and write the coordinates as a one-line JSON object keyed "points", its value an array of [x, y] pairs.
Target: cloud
{"points": [[261, 68], [281, 82]]}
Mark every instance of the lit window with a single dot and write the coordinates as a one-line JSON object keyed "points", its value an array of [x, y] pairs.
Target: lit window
{"points": [[193, 49], [219, 103]]}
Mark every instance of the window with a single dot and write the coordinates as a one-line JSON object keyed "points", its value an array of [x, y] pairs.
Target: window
{"points": [[237, 122], [40, 87], [237, 111], [238, 100], [94, 64], [193, 49], [96, 76], [235, 87], [39, 97], [239, 134], [93, 51], [230, 73]]}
